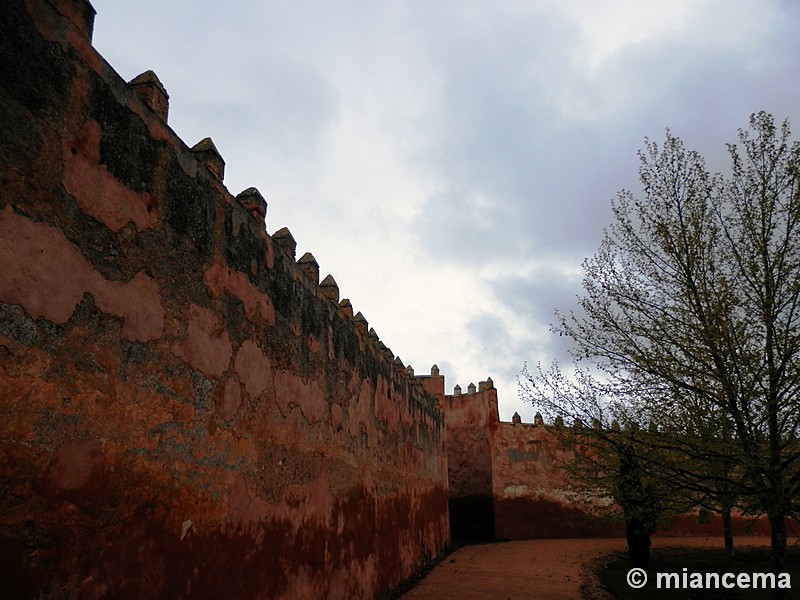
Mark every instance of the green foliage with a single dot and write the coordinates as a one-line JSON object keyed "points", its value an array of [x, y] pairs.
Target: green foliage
{"points": [[690, 324]]}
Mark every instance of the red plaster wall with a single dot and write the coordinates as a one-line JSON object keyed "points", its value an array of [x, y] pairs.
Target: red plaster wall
{"points": [[471, 420], [515, 474], [182, 413], [532, 496]]}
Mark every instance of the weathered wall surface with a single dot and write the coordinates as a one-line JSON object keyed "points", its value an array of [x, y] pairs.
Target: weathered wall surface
{"points": [[184, 411], [522, 490], [532, 495], [471, 420]]}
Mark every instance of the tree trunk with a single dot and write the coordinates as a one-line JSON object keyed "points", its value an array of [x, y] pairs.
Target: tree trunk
{"points": [[727, 532], [777, 526], [638, 543]]}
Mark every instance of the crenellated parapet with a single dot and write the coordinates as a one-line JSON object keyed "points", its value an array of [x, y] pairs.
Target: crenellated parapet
{"points": [[483, 386], [433, 383], [306, 270], [346, 307], [284, 240], [309, 267], [477, 407], [557, 423], [208, 155], [254, 203], [330, 289]]}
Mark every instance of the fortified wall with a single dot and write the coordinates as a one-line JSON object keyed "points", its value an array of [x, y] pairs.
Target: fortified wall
{"points": [[508, 480], [471, 420], [185, 410]]}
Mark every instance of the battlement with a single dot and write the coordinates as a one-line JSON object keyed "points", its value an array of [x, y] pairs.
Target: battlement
{"points": [[483, 386], [557, 424]]}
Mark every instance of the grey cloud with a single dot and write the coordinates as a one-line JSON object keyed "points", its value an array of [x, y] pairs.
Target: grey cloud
{"points": [[547, 175], [534, 300], [491, 339], [453, 228]]}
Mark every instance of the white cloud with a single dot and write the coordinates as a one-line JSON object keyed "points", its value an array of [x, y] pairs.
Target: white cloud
{"points": [[608, 26]]}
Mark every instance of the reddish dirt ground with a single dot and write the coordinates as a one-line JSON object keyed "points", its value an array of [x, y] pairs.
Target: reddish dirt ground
{"points": [[530, 569]]}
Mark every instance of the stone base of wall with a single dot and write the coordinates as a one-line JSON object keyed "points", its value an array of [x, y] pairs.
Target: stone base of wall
{"points": [[539, 518], [695, 525], [542, 518]]}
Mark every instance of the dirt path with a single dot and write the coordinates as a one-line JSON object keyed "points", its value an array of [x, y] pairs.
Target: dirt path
{"points": [[530, 569]]}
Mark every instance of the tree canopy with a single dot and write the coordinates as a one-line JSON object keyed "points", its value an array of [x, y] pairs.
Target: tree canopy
{"points": [[690, 321]]}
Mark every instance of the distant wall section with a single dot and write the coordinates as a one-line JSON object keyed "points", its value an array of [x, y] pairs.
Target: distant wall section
{"points": [[471, 419], [507, 480], [520, 488], [533, 497], [532, 494]]}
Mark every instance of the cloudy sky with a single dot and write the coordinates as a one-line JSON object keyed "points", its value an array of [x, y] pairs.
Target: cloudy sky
{"points": [[452, 163]]}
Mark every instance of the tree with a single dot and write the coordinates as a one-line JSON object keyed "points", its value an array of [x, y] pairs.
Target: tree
{"points": [[610, 461], [691, 314]]}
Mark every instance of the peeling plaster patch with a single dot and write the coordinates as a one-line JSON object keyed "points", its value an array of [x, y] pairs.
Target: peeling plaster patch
{"points": [[337, 417], [207, 345], [77, 472], [314, 345], [137, 302], [385, 408], [253, 369], [97, 192], [42, 271], [73, 465], [312, 500], [361, 413], [219, 280], [246, 510], [293, 390]]}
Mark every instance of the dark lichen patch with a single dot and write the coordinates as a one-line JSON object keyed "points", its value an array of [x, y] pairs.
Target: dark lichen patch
{"points": [[190, 208], [243, 246], [126, 147], [35, 72], [17, 325]]}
